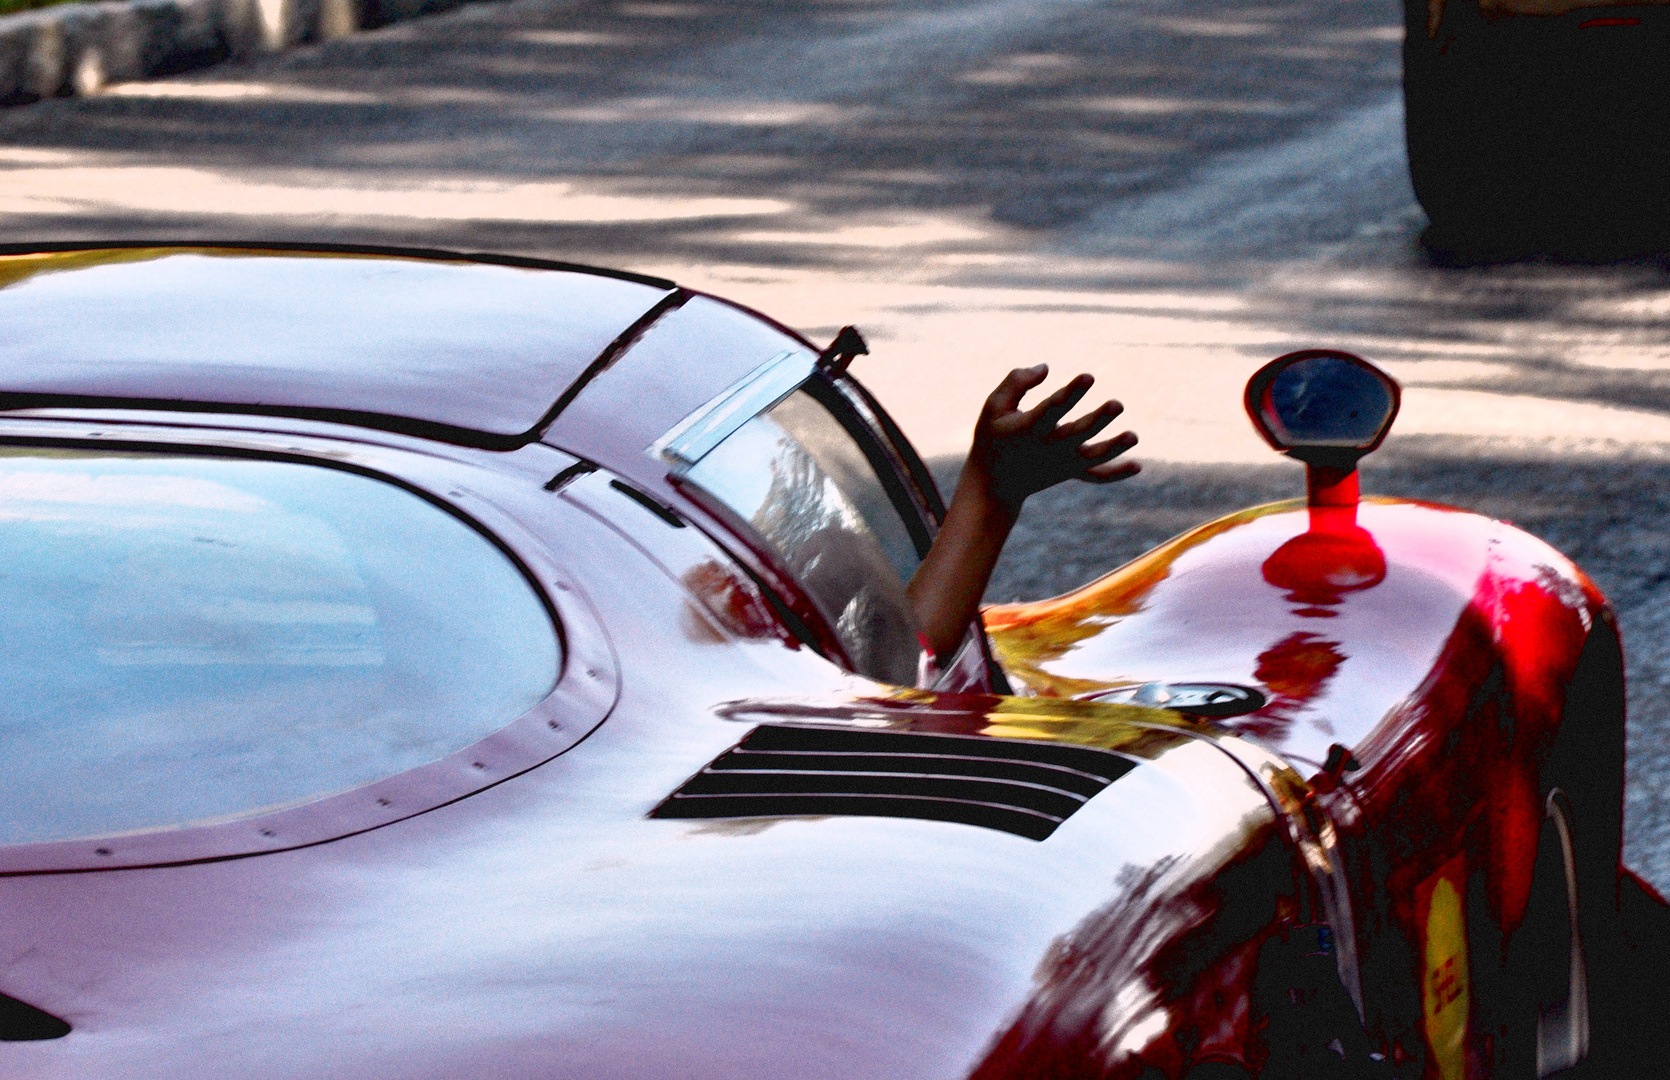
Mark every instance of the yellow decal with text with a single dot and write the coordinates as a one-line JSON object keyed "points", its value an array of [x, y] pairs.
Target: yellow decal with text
{"points": [[1444, 989]]}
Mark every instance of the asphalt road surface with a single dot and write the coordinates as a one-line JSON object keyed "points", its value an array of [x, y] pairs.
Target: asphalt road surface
{"points": [[1164, 194]]}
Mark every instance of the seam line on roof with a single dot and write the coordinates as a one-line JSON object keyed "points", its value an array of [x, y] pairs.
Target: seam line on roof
{"points": [[606, 359], [403, 425]]}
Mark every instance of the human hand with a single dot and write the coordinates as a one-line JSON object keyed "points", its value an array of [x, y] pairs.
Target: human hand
{"points": [[1019, 453], [1015, 454]]}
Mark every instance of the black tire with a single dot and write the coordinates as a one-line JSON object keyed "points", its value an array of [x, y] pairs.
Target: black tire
{"points": [[1629, 987], [1571, 923], [1529, 134], [1479, 157], [1547, 1025], [1432, 123]]}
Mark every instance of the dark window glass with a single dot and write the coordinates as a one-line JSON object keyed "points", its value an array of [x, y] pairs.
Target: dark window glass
{"points": [[191, 638]]}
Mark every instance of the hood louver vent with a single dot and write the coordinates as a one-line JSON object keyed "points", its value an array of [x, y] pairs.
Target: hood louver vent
{"points": [[22, 1022], [1021, 787]]}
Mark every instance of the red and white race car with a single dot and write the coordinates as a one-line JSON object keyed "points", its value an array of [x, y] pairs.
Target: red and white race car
{"points": [[437, 666]]}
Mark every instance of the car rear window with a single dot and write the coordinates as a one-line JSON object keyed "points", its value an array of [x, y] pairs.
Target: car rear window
{"points": [[194, 638]]}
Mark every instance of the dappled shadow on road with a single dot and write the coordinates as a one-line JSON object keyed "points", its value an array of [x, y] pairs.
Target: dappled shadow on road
{"points": [[1594, 334], [1013, 115], [1235, 175], [1249, 156]]}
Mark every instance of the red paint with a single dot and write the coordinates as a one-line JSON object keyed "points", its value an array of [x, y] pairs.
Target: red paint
{"points": [[1435, 646], [1326, 486], [1332, 558]]}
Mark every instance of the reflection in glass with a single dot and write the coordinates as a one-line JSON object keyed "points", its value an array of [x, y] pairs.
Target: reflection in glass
{"points": [[1327, 401], [189, 638], [798, 477]]}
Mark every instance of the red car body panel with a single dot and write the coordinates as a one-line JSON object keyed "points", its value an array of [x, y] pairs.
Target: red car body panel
{"points": [[1436, 646], [1339, 628]]}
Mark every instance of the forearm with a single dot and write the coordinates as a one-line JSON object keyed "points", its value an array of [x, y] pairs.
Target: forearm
{"points": [[946, 589], [1015, 454]]}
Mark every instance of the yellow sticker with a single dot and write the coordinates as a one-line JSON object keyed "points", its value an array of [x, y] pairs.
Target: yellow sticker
{"points": [[1444, 990]]}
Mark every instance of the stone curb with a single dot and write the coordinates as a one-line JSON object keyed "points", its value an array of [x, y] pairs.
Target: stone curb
{"points": [[78, 48]]}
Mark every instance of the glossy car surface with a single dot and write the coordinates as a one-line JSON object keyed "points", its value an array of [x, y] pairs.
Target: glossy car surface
{"points": [[440, 666]]}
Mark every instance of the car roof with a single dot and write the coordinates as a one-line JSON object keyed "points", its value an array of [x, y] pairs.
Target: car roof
{"points": [[472, 349]]}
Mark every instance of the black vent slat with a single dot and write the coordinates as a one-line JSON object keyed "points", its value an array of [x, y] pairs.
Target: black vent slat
{"points": [[1058, 804], [1024, 772], [22, 1022], [1083, 758], [1008, 819], [1013, 785]]}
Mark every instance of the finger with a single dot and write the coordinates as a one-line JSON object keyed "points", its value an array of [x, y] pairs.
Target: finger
{"points": [[1097, 453], [1111, 471], [1091, 423], [1049, 411], [1007, 397]]}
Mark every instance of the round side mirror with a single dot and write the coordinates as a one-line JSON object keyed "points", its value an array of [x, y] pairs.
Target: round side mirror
{"points": [[1322, 406]]}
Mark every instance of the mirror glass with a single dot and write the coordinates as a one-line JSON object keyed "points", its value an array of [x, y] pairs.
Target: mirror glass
{"points": [[1327, 401]]}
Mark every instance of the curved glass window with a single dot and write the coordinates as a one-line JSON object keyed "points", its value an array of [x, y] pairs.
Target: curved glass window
{"points": [[798, 477], [190, 638]]}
